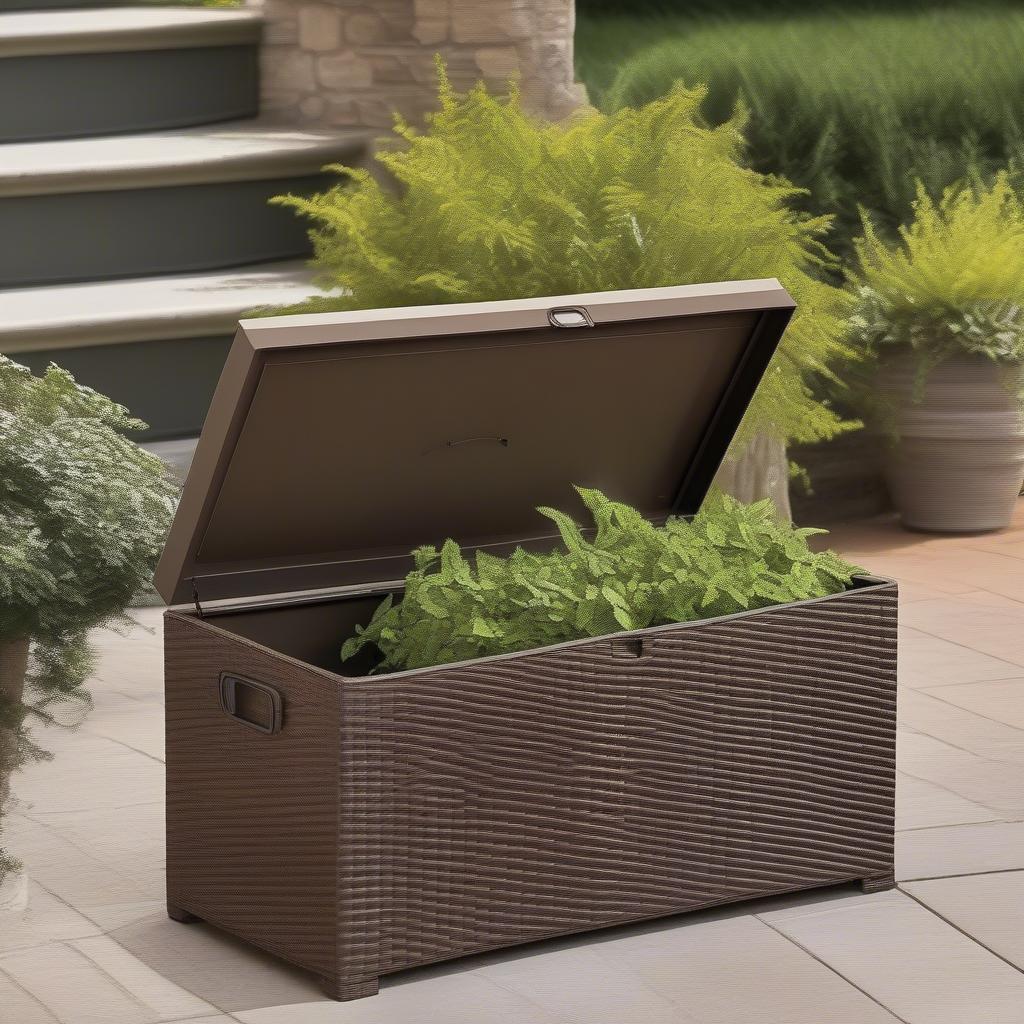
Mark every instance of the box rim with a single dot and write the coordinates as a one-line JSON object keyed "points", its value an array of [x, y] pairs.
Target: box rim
{"points": [[873, 584]]}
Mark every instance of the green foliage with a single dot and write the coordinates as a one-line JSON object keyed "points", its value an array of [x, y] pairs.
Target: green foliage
{"points": [[953, 283], [707, 9], [493, 204], [83, 513], [854, 105], [630, 575]]}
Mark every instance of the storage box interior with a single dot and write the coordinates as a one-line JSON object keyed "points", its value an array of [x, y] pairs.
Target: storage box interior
{"points": [[314, 632]]}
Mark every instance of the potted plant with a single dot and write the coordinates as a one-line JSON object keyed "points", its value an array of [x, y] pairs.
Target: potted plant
{"points": [[939, 315], [83, 513], [491, 203]]}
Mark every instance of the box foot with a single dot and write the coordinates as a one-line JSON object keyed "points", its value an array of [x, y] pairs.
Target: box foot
{"points": [[175, 913], [878, 883], [343, 989]]}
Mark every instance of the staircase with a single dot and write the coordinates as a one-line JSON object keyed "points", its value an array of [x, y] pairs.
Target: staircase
{"points": [[134, 178]]}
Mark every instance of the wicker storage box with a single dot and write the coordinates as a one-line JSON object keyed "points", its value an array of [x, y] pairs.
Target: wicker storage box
{"points": [[358, 824]]}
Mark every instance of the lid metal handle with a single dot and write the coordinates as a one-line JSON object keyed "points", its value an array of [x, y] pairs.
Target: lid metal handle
{"points": [[570, 316]]}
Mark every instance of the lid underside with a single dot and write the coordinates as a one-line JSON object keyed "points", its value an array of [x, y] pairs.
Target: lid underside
{"points": [[337, 443]]}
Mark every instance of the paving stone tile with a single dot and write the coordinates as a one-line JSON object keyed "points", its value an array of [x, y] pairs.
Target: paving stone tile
{"points": [[988, 599], [219, 1018], [954, 569], [73, 988], [129, 839], [990, 908], [926, 660], [921, 804], [45, 919], [1013, 547], [993, 784], [923, 712], [585, 986], [918, 569], [1001, 700], [101, 891], [86, 773], [459, 998], [912, 591], [137, 725], [997, 632], [217, 968], [960, 850], [167, 1000], [736, 970], [921, 968], [20, 1007]]}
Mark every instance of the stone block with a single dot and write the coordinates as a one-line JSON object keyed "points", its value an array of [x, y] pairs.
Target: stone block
{"points": [[287, 70], [341, 113], [498, 63], [365, 28], [430, 31], [344, 70], [319, 27], [378, 111], [431, 9], [312, 108], [390, 68], [283, 31], [278, 105], [460, 64], [499, 22]]}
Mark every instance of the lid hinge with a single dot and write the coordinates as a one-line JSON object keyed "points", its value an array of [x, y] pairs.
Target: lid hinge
{"points": [[195, 597]]}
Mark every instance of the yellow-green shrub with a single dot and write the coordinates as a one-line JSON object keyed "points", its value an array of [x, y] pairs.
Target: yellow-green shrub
{"points": [[491, 203]]}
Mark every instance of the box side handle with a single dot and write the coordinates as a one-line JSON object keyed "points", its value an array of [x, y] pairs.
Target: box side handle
{"points": [[251, 703]]}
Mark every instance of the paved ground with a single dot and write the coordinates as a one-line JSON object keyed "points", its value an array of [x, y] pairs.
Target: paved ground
{"points": [[946, 948]]}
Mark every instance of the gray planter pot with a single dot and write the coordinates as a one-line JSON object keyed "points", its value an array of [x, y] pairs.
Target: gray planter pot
{"points": [[958, 461]]}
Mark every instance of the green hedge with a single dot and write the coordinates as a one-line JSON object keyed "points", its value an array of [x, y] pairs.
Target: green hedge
{"points": [[760, 8], [851, 106]]}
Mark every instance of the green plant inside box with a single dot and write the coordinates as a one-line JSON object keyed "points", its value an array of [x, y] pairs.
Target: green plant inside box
{"points": [[628, 575]]}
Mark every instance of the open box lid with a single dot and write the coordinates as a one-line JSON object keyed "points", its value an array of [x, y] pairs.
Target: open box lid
{"points": [[336, 443]]}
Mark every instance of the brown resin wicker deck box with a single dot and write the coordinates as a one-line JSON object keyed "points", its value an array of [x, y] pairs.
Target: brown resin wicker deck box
{"points": [[356, 824]]}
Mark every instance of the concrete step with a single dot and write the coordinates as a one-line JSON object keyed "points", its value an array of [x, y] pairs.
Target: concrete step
{"points": [[49, 5], [159, 202], [120, 69], [154, 344]]}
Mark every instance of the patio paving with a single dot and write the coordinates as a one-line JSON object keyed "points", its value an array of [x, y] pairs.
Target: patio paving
{"points": [[946, 947]]}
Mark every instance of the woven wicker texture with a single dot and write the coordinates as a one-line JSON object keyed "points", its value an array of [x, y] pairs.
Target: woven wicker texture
{"points": [[578, 787], [252, 819], [406, 819]]}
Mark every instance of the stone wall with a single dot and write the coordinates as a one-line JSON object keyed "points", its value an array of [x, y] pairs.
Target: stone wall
{"points": [[353, 63]]}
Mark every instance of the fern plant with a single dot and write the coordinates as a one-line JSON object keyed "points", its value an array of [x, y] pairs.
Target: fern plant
{"points": [[490, 203], [629, 575], [953, 283]]}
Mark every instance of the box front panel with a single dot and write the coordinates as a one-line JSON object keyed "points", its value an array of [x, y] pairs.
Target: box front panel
{"points": [[251, 815], [554, 792]]}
